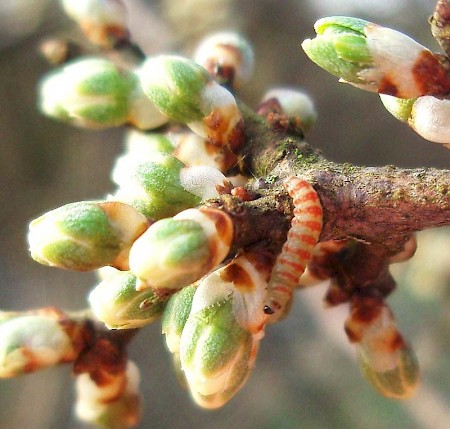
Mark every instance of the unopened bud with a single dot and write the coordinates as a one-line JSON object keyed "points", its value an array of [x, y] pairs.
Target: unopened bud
{"points": [[194, 150], [153, 187], [376, 58], [216, 354], [184, 91], [102, 21], [115, 404], [29, 342], [428, 116], [175, 252], [228, 57], [386, 360], [117, 303], [146, 146], [294, 104], [142, 113], [90, 92], [86, 235]]}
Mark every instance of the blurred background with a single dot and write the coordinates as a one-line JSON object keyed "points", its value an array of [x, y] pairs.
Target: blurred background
{"points": [[306, 375]]}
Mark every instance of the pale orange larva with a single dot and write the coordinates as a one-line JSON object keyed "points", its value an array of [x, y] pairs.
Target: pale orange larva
{"points": [[298, 249]]}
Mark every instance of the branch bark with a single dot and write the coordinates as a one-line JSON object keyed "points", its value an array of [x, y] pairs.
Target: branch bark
{"points": [[377, 205]]}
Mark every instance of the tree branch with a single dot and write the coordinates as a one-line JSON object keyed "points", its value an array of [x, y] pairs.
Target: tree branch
{"points": [[379, 205]]}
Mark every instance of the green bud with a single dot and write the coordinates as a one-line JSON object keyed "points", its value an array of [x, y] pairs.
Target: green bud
{"points": [[216, 354], [171, 254], [175, 252], [86, 235], [142, 113], [185, 92], [90, 92], [340, 47], [117, 303], [154, 188], [31, 342], [175, 84], [115, 404], [374, 58], [395, 375]]}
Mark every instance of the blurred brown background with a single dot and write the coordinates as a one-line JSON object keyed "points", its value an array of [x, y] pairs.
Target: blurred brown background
{"points": [[305, 376]]}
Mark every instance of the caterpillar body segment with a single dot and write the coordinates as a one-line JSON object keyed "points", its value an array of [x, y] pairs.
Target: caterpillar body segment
{"points": [[298, 249]]}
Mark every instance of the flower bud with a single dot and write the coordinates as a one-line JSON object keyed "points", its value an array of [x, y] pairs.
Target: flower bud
{"points": [[184, 91], [228, 57], [386, 360], [202, 181], [147, 145], [142, 113], [376, 58], [115, 404], [245, 280], [175, 252], [194, 150], [102, 21], [29, 342], [428, 116], [154, 188], [86, 235], [294, 104], [216, 354], [90, 92], [117, 303]]}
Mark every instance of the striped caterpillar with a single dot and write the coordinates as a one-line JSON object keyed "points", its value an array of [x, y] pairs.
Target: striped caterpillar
{"points": [[298, 249]]}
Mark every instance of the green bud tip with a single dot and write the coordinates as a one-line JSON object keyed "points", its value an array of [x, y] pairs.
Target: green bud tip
{"points": [[86, 235], [117, 303], [374, 58]]}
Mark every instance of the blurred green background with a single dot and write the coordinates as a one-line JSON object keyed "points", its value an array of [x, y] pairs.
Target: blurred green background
{"points": [[306, 375]]}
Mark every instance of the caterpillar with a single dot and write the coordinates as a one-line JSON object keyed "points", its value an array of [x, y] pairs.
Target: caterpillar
{"points": [[298, 249]]}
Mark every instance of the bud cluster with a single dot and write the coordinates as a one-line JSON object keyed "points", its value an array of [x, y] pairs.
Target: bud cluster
{"points": [[163, 250], [213, 330]]}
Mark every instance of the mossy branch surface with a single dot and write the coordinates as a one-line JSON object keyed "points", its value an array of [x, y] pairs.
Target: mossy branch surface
{"points": [[377, 205]]}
